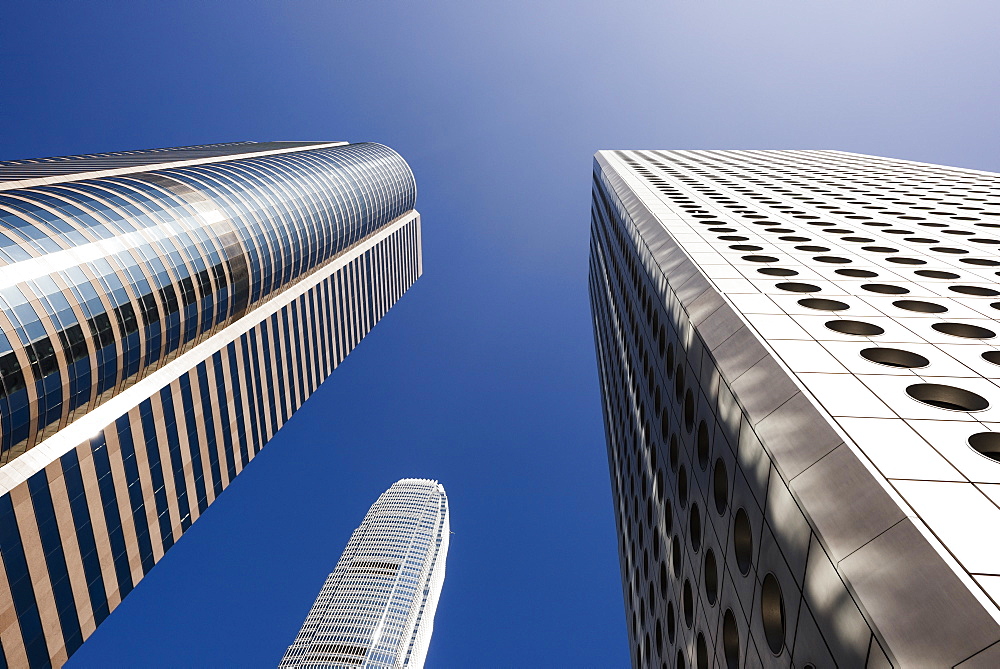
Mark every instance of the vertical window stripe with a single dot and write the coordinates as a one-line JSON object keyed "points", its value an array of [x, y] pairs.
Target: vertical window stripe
{"points": [[85, 535], [109, 500], [176, 459], [156, 473], [55, 560], [135, 495]]}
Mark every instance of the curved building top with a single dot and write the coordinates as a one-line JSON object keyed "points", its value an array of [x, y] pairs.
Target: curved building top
{"points": [[110, 269], [376, 609]]}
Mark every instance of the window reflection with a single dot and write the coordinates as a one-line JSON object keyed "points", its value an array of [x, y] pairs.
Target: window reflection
{"points": [[193, 249]]}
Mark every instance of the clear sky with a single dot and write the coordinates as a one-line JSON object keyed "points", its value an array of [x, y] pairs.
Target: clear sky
{"points": [[483, 376]]}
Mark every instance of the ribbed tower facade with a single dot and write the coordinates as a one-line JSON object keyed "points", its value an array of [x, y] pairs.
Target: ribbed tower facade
{"points": [[376, 610], [800, 368], [162, 314]]}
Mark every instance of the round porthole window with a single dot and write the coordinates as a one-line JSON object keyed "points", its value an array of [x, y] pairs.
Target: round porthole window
{"points": [[742, 541], [822, 304], [964, 330], [689, 411], [703, 445], [711, 577], [857, 273], [992, 356], [920, 306], [936, 274], [987, 444], [694, 528], [720, 485], [978, 291], [777, 271], [947, 397], [857, 328], [701, 652], [730, 640], [884, 289], [772, 612], [688, 600], [796, 287], [894, 357]]}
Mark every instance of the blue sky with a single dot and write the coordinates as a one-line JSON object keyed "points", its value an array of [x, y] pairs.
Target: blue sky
{"points": [[483, 376]]}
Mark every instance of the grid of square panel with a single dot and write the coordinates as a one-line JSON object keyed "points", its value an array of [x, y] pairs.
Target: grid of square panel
{"points": [[909, 249], [640, 323], [700, 527]]}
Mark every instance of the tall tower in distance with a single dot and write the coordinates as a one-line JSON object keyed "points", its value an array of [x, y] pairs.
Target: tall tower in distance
{"points": [[376, 610], [162, 314], [799, 363]]}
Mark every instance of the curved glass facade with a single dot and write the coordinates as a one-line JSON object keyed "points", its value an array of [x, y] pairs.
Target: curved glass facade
{"points": [[106, 279], [376, 610], [163, 313]]}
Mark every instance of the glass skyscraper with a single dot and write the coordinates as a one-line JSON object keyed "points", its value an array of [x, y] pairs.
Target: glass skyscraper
{"points": [[162, 314], [801, 382], [376, 610]]}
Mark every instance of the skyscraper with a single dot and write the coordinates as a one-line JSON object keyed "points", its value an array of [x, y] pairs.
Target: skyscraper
{"points": [[799, 367], [162, 314], [376, 610]]}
